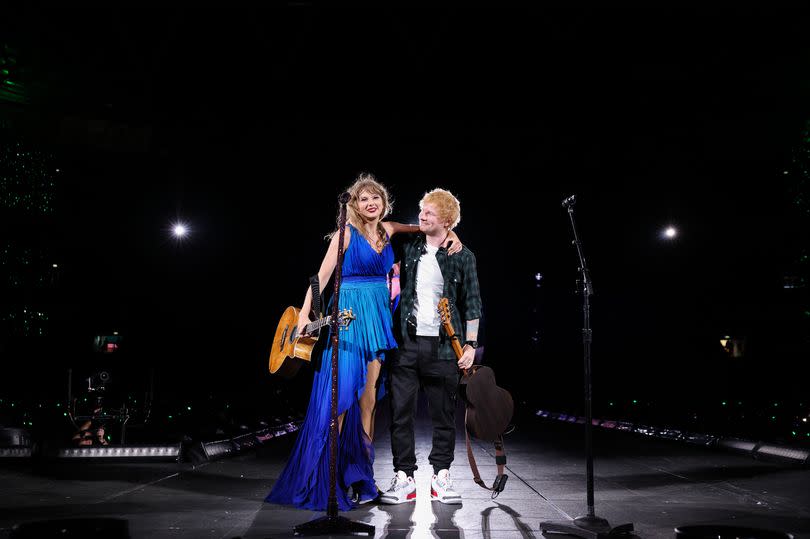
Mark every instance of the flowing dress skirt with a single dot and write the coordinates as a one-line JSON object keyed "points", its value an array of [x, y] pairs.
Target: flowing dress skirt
{"points": [[304, 482]]}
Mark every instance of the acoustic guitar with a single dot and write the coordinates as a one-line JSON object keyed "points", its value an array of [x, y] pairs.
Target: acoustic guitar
{"points": [[289, 349], [489, 408]]}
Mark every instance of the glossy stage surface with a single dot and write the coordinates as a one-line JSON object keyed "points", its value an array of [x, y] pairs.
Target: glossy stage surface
{"points": [[657, 485]]}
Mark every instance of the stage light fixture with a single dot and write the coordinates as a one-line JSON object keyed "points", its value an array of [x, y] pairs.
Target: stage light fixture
{"points": [[180, 230], [15, 452], [149, 452], [670, 232], [782, 453]]}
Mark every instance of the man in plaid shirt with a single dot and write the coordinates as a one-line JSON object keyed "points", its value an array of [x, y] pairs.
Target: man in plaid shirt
{"points": [[426, 356]]}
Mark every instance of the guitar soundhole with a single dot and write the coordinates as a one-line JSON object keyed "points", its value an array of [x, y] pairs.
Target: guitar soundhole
{"points": [[294, 334]]}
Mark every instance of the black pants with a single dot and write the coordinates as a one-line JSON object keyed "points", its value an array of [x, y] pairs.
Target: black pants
{"points": [[416, 363]]}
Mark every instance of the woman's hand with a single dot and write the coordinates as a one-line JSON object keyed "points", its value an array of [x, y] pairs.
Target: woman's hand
{"points": [[453, 242], [303, 320]]}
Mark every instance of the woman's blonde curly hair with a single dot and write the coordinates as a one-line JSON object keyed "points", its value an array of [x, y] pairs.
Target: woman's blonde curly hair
{"points": [[367, 182]]}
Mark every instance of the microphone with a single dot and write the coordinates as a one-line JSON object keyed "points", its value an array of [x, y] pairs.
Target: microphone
{"points": [[344, 197], [569, 201]]}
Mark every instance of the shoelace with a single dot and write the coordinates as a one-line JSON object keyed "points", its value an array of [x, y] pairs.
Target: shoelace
{"points": [[396, 485]]}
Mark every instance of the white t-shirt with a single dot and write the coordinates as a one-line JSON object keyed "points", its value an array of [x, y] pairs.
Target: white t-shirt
{"points": [[429, 288]]}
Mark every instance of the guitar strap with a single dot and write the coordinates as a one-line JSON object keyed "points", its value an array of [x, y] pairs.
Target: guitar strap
{"points": [[315, 283], [500, 460]]}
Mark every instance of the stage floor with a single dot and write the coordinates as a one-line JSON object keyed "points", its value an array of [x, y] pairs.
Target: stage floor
{"points": [[654, 484]]}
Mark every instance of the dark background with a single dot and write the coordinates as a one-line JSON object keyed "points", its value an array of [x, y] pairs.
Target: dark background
{"points": [[246, 124]]}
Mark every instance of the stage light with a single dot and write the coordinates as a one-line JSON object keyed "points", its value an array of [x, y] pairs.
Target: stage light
{"points": [[782, 453], [180, 230], [15, 452], [171, 452], [670, 232]]}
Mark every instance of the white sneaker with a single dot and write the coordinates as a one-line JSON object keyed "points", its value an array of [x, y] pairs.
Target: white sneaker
{"points": [[402, 490], [441, 489]]}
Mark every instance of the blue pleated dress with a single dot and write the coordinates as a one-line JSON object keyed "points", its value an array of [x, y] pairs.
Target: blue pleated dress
{"points": [[304, 482]]}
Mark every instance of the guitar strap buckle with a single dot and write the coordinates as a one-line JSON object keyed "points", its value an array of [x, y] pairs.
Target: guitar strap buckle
{"points": [[499, 484]]}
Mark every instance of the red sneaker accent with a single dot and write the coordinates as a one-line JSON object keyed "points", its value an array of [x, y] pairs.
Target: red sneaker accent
{"points": [[411, 496], [433, 493]]}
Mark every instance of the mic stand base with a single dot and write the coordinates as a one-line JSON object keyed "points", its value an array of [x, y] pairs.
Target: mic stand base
{"points": [[333, 525], [589, 527]]}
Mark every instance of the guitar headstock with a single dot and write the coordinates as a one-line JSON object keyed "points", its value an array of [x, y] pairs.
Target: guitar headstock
{"points": [[444, 309], [345, 318]]}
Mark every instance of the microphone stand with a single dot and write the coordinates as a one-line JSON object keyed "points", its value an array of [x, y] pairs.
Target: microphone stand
{"points": [[332, 523], [589, 526]]}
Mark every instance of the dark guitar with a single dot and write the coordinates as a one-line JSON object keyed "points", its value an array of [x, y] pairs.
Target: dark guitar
{"points": [[290, 350], [489, 407]]}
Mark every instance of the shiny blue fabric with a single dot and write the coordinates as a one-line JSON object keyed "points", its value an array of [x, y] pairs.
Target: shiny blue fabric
{"points": [[304, 482]]}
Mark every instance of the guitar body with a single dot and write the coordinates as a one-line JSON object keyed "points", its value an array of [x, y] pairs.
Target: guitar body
{"points": [[489, 407], [288, 351]]}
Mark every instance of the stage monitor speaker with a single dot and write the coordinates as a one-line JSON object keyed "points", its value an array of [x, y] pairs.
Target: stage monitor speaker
{"points": [[218, 449], [738, 445]]}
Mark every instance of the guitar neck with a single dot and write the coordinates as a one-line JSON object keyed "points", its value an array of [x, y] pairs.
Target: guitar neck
{"points": [[317, 324], [451, 334]]}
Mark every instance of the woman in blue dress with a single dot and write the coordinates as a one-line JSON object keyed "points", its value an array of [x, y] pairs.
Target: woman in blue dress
{"points": [[368, 257]]}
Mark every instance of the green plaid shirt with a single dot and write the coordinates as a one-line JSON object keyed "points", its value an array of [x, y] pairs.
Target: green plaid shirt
{"points": [[460, 288]]}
